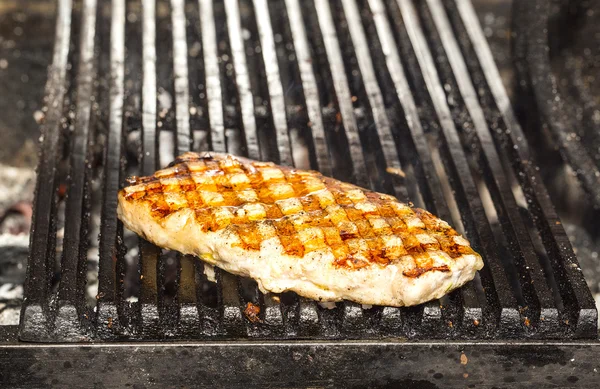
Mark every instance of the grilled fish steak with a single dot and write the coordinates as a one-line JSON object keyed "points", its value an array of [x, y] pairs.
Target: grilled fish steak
{"points": [[298, 230]]}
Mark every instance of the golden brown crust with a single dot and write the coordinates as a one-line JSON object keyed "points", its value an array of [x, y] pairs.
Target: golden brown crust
{"points": [[304, 209]]}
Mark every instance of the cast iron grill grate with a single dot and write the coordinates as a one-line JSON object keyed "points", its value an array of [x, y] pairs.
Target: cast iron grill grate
{"points": [[360, 90]]}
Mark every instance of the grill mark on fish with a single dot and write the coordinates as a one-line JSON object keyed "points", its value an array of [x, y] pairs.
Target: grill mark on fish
{"points": [[419, 271]]}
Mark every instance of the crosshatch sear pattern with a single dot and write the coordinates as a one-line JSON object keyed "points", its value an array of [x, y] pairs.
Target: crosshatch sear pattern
{"points": [[304, 209]]}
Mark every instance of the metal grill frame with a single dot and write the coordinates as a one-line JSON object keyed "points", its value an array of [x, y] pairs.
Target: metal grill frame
{"points": [[552, 104], [294, 364], [443, 55]]}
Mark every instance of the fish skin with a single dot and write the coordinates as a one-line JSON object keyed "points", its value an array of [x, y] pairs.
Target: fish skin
{"points": [[297, 230]]}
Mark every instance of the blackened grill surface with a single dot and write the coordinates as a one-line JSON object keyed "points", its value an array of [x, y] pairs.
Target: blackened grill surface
{"points": [[563, 107], [356, 89]]}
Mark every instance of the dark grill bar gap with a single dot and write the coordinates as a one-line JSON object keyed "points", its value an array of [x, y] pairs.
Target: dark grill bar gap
{"points": [[365, 89]]}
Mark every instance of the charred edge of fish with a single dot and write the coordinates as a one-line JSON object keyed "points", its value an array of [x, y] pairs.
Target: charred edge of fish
{"points": [[419, 271]]}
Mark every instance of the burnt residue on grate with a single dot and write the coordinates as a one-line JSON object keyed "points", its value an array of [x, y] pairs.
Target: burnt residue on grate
{"points": [[399, 96]]}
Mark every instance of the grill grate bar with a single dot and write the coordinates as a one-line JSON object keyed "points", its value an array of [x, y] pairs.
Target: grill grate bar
{"points": [[198, 109], [308, 318], [149, 138], [209, 316], [189, 316], [564, 262], [110, 228], [128, 264], [148, 298], [180, 73], [273, 315], [309, 86], [77, 207], [148, 253], [499, 186], [242, 78], [278, 111], [212, 78], [391, 320], [45, 188], [458, 167], [178, 305], [234, 127], [233, 322], [342, 91], [188, 286], [133, 115], [169, 263]]}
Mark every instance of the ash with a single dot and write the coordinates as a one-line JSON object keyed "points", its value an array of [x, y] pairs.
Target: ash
{"points": [[16, 197]]}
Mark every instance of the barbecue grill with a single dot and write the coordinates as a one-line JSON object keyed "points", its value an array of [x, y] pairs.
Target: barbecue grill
{"points": [[399, 96]]}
